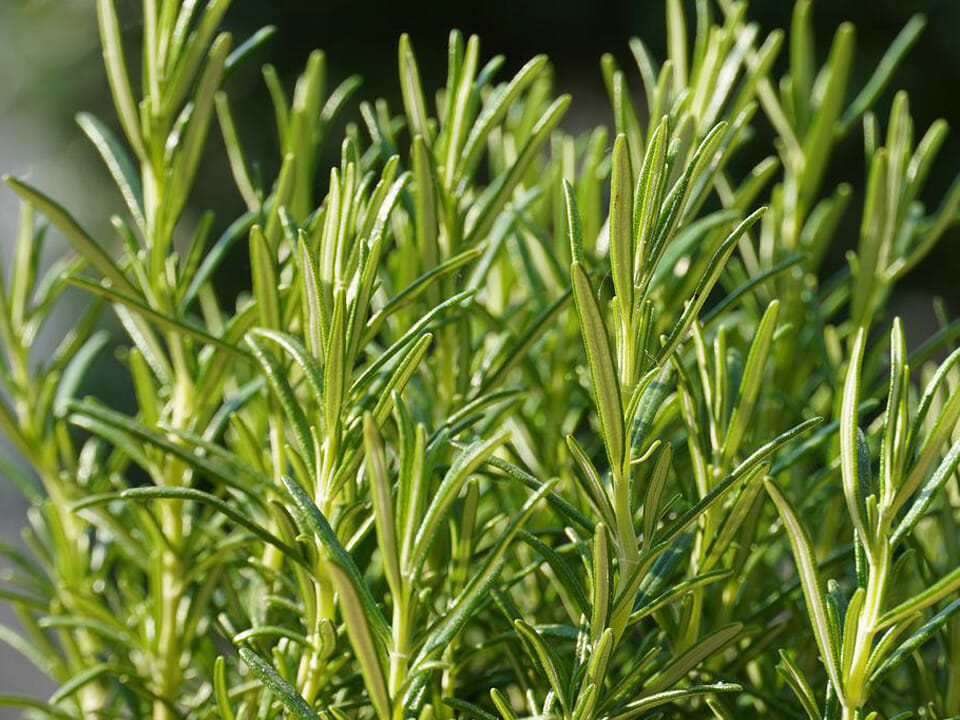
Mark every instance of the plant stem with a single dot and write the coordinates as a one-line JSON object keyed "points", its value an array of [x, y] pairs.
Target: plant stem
{"points": [[855, 682]]}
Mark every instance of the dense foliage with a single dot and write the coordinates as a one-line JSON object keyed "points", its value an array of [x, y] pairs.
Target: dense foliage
{"points": [[512, 423]]}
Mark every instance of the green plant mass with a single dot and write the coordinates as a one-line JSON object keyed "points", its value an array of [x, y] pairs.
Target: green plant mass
{"points": [[510, 423]]}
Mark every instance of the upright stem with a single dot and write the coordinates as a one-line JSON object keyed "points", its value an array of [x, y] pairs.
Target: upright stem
{"points": [[628, 538], [171, 523], [399, 653], [855, 683]]}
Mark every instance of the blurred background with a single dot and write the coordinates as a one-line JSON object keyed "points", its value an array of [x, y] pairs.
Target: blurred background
{"points": [[50, 69]]}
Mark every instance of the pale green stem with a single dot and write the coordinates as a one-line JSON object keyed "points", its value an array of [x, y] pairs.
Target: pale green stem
{"points": [[855, 682]]}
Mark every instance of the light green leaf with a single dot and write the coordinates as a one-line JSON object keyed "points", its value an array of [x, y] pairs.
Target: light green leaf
{"points": [[849, 458], [913, 643], [412, 91], [548, 661], [602, 587], [335, 553], [465, 464], [705, 285], [113, 60], [621, 222], [606, 388], [78, 237], [882, 73], [220, 689], [118, 163], [752, 378], [677, 668], [265, 286], [798, 682], [945, 586], [380, 491], [284, 691], [927, 493], [361, 637], [648, 702], [810, 581]]}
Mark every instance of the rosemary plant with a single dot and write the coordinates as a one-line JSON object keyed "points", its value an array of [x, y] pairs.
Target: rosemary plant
{"points": [[511, 423]]}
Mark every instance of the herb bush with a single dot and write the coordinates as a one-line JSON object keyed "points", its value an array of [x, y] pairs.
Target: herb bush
{"points": [[512, 423]]}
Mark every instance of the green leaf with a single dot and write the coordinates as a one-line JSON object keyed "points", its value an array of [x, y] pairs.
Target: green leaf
{"points": [[705, 285], [213, 258], [913, 643], [503, 705], [647, 198], [648, 702], [166, 322], [380, 491], [425, 186], [416, 288], [592, 486], [277, 377], [473, 594], [849, 457], [466, 463], [621, 222], [147, 494], [884, 70], [81, 680], [810, 581], [561, 506], [606, 389], [361, 637], [414, 333], [494, 111], [113, 60], [677, 668], [929, 452], [118, 163], [220, 690], [517, 347], [798, 682], [247, 48], [677, 40], [119, 428], [235, 152], [489, 206], [284, 691], [27, 649], [676, 592], [190, 149], [752, 378], [317, 322], [264, 272], [412, 91], [802, 59], [561, 570], [334, 377], [75, 370], [927, 493], [312, 370], [468, 709], [336, 554], [28, 703], [654, 493], [602, 587], [78, 237], [742, 473], [548, 662], [945, 586], [831, 93]]}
